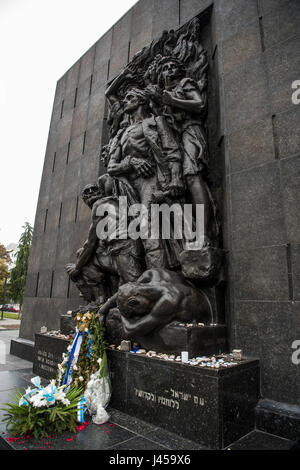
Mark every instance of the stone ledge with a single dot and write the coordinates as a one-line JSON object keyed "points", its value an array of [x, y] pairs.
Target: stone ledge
{"points": [[22, 348], [278, 418]]}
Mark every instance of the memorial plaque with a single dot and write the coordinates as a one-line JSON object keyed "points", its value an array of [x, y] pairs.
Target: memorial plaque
{"points": [[214, 407], [48, 352]]}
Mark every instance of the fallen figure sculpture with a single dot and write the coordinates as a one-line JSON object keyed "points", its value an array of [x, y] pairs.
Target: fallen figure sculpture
{"points": [[151, 310], [158, 298]]}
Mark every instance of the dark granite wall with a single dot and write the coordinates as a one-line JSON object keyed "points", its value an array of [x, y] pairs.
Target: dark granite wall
{"points": [[256, 57]]}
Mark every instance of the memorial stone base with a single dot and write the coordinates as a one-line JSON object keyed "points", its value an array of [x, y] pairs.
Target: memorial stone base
{"points": [[48, 352], [214, 407]]}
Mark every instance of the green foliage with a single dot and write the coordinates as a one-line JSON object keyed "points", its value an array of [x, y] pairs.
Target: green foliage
{"points": [[40, 422], [87, 361], [5, 260], [19, 272], [14, 316]]}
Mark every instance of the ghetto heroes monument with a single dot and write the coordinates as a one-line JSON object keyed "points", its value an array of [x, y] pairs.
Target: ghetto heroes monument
{"points": [[158, 152], [252, 160]]}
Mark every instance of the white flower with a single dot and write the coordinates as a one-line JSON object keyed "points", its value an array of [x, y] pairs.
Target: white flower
{"points": [[69, 348], [81, 378], [61, 396], [78, 317], [99, 360], [75, 367], [28, 390], [38, 400], [86, 330]]}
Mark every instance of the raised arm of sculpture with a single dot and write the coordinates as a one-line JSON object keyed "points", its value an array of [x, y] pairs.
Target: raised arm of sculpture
{"points": [[112, 89], [195, 101]]}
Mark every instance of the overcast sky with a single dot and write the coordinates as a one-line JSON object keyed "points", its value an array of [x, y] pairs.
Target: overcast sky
{"points": [[39, 41]]}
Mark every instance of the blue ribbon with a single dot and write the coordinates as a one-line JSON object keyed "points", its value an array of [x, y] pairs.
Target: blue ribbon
{"points": [[48, 395], [71, 357], [81, 409]]}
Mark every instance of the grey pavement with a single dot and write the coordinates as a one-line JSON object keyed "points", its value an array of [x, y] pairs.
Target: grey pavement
{"points": [[9, 323], [7, 361]]}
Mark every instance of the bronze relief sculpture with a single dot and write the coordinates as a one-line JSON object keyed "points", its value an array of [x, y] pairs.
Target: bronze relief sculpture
{"points": [[157, 154]]}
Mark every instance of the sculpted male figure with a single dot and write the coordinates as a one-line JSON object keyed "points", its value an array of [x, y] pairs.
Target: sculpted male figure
{"points": [[187, 105], [101, 259], [148, 155]]}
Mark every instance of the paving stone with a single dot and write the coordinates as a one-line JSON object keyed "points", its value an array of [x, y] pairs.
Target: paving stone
{"points": [[173, 441], [138, 443], [261, 441], [9, 380]]}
